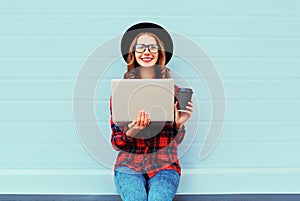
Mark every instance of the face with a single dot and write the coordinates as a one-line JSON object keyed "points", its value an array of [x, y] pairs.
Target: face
{"points": [[149, 56]]}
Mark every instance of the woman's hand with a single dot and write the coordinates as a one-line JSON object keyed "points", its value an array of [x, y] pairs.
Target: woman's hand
{"points": [[142, 121], [182, 117]]}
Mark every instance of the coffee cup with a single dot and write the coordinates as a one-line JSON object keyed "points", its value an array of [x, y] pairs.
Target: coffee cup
{"points": [[184, 95]]}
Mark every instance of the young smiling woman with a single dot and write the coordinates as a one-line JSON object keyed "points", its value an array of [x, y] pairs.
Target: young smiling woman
{"points": [[146, 50], [148, 168]]}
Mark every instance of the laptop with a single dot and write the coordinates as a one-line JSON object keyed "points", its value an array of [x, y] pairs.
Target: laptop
{"points": [[155, 96]]}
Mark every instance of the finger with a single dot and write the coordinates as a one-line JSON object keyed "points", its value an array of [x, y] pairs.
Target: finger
{"points": [[175, 106], [189, 108], [143, 118], [188, 112], [190, 105], [139, 118], [147, 119]]}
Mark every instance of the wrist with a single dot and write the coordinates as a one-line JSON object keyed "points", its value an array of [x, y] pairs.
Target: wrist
{"points": [[132, 132], [128, 136], [179, 127]]}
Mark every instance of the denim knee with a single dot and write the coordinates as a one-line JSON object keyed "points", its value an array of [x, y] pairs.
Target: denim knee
{"points": [[163, 186], [130, 184]]}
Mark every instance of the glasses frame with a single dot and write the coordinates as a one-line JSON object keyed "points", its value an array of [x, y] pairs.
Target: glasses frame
{"points": [[146, 47]]}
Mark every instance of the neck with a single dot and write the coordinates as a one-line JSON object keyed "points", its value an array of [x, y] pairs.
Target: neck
{"points": [[147, 72]]}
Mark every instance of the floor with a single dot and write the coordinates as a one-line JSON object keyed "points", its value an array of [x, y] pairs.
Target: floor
{"points": [[227, 197]]}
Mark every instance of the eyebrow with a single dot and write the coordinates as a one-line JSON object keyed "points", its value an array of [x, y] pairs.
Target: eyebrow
{"points": [[146, 44]]}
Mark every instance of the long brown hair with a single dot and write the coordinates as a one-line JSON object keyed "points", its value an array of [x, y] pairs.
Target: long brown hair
{"points": [[161, 71]]}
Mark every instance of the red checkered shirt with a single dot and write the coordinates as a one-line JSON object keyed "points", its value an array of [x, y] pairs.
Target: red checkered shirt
{"points": [[147, 155]]}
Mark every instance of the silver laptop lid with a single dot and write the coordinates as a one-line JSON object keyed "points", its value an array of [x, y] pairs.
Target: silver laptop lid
{"points": [[155, 96]]}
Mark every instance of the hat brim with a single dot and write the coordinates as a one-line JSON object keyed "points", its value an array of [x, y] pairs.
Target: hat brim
{"points": [[136, 29]]}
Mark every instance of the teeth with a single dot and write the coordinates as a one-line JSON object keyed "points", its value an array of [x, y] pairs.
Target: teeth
{"points": [[147, 59]]}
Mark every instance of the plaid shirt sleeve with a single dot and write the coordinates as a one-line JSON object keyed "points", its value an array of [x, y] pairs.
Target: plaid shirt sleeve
{"points": [[179, 135], [119, 139]]}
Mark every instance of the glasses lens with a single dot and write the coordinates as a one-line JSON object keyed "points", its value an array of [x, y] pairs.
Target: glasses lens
{"points": [[153, 48], [140, 48]]}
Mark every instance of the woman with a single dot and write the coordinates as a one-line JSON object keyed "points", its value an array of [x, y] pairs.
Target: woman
{"points": [[148, 168]]}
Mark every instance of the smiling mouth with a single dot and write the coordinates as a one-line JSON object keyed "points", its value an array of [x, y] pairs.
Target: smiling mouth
{"points": [[147, 59]]}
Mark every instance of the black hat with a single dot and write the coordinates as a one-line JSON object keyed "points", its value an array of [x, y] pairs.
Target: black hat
{"points": [[136, 29]]}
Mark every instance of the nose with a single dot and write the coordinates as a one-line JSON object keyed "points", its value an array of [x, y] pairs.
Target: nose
{"points": [[147, 50]]}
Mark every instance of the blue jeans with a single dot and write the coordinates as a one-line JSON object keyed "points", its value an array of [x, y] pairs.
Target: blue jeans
{"points": [[134, 186]]}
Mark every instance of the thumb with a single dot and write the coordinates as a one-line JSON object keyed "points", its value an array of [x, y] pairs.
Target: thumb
{"points": [[132, 124]]}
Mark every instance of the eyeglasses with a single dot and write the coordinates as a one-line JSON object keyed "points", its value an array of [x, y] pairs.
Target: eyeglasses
{"points": [[140, 48]]}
